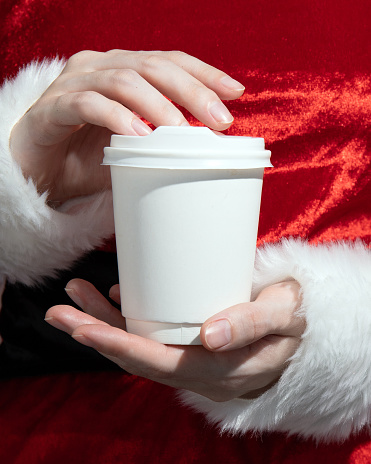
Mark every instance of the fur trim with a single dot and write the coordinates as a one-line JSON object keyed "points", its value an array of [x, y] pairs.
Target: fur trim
{"points": [[325, 392], [36, 240]]}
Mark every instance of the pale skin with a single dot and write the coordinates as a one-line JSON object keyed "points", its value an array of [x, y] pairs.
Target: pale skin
{"points": [[59, 144], [264, 334], [59, 141]]}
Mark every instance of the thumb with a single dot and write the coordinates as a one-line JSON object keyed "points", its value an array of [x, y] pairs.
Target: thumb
{"points": [[273, 312], [235, 327]]}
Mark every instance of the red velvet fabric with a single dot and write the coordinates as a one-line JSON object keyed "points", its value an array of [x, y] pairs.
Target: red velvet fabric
{"points": [[108, 418], [305, 65]]}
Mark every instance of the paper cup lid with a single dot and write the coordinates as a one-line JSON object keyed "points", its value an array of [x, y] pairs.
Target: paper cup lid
{"points": [[174, 147]]}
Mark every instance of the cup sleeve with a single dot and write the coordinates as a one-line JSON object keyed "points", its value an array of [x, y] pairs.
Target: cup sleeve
{"points": [[325, 392], [36, 240]]}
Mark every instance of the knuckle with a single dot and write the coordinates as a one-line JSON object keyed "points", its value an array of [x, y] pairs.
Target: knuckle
{"points": [[116, 112], [120, 77], [199, 92], [80, 57], [209, 74], [169, 113], [114, 51], [73, 60], [204, 73], [61, 100], [272, 290], [80, 100], [175, 54], [153, 61], [253, 325]]}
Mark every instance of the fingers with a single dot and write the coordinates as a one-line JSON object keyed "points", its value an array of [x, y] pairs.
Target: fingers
{"points": [[225, 86], [183, 88], [131, 90], [88, 298], [220, 377], [66, 113], [189, 367], [176, 366], [235, 327], [152, 62], [273, 312], [114, 294], [135, 354], [138, 80], [68, 319]]}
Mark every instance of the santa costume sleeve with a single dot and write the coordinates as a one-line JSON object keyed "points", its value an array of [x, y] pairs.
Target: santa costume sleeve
{"points": [[36, 240], [324, 393]]}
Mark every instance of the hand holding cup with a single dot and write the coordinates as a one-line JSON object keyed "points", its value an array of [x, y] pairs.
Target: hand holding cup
{"points": [[265, 333], [59, 141]]}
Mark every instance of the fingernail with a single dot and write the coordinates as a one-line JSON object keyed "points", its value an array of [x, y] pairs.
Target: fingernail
{"points": [[231, 84], [83, 340], [185, 123], [218, 334], [74, 297], [140, 127], [56, 324], [219, 112]]}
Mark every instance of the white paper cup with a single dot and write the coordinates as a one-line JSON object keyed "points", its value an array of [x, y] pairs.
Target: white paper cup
{"points": [[186, 206]]}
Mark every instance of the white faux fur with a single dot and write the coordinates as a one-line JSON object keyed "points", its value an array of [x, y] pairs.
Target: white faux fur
{"points": [[36, 240], [325, 392]]}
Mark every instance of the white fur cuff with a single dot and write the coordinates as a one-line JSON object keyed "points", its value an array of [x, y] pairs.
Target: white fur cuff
{"points": [[36, 240], [325, 392]]}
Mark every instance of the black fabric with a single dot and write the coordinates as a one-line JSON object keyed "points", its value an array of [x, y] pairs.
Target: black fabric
{"points": [[31, 346]]}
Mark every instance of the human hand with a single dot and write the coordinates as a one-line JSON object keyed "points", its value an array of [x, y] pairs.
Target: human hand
{"points": [[264, 334], [59, 141]]}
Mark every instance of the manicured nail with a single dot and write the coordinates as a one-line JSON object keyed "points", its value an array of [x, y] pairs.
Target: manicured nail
{"points": [[140, 127], [58, 325], [218, 334], [231, 84], [185, 123], [83, 340], [74, 297], [220, 113]]}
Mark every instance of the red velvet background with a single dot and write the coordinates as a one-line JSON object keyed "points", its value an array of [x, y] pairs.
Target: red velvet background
{"points": [[306, 68]]}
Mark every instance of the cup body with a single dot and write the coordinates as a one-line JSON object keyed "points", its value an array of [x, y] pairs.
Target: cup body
{"points": [[186, 243]]}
